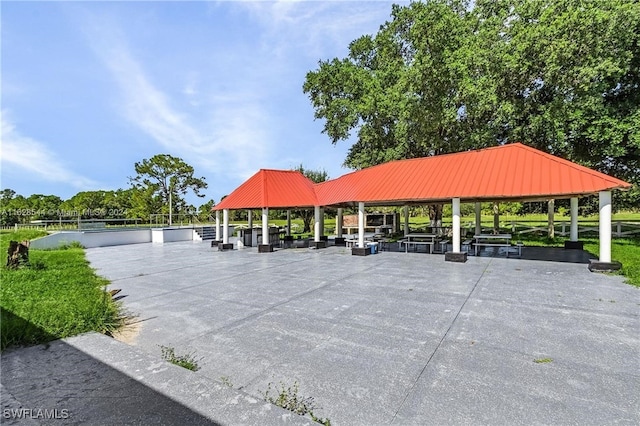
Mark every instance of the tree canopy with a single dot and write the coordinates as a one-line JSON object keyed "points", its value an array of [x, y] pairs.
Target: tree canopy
{"points": [[449, 75], [315, 176], [159, 176]]}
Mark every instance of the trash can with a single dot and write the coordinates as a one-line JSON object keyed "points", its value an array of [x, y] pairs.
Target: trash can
{"points": [[373, 247]]}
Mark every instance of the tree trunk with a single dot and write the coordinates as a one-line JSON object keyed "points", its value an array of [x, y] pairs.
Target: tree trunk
{"points": [[307, 217], [550, 225], [435, 218], [17, 254]]}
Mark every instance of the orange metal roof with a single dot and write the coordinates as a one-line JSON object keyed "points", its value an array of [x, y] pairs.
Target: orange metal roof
{"points": [[514, 171], [272, 188]]}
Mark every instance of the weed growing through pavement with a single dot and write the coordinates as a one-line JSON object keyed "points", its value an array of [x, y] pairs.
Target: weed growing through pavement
{"points": [[542, 360], [226, 381], [187, 361], [289, 399]]}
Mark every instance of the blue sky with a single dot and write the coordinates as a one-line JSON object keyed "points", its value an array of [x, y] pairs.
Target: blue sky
{"points": [[89, 88]]}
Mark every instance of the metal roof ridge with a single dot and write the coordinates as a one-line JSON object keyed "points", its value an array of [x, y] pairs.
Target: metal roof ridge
{"points": [[575, 166]]}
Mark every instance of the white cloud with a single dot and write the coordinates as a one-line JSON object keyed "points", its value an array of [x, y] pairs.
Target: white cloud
{"points": [[35, 158], [231, 137], [315, 28]]}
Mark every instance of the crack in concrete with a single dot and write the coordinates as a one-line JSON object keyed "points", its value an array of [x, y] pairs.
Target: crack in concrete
{"points": [[444, 336]]}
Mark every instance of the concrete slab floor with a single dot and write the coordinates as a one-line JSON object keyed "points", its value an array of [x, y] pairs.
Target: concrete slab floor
{"points": [[394, 338]]}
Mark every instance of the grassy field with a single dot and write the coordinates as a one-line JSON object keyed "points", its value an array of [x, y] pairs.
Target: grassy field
{"points": [[623, 250], [57, 295]]}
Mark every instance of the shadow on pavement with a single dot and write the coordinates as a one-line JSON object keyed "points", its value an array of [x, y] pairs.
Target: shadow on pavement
{"points": [[57, 383]]}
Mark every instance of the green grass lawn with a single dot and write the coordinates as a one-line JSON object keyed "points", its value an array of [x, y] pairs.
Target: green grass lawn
{"points": [[623, 250], [58, 295]]}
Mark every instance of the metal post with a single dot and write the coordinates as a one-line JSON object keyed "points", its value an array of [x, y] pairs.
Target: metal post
{"points": [[288, 222], [478, 219], [170, 207], [339, 223]]}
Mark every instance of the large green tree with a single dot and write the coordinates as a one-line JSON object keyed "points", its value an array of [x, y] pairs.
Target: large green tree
{"points": [[160, 176], [204, 211], [568, 78], [316, 176], [447, 75]]}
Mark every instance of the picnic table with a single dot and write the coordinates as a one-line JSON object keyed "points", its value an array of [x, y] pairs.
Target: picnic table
{"points": [[415, 240], [352, 239], [492, 240]]}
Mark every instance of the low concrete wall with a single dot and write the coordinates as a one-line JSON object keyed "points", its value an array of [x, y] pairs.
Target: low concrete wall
{"points": [[169, 235], [93, 239]]}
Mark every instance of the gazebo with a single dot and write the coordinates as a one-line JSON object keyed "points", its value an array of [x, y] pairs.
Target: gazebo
{"points": [[511, 172]]}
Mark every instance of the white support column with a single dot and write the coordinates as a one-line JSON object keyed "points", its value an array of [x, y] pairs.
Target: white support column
{"points": [[250, 228], [605, 226], [225, 226], [288, 222], [456, 225], [573, 232], [478, 219], [316, 223], [265, 226], [339, 223], [217, 225], [361, 216], [551, 231], [406, 220]]}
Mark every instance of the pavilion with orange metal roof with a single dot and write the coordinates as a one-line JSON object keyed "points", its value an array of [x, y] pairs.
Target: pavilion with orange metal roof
{"points": [[511, 172]]}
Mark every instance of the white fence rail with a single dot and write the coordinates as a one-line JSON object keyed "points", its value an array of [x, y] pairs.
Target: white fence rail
{"points": [[618, 228]]}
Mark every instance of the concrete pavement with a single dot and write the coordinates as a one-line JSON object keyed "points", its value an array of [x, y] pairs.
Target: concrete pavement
{"points": [[392, 338]]}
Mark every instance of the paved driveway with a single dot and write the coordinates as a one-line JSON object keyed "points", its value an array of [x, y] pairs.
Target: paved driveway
{"points": [[394, 338]]}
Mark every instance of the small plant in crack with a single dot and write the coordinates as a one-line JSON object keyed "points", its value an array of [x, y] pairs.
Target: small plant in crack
{"points": [[226, 381], [543, 360], [287, 397], [188, 361]]}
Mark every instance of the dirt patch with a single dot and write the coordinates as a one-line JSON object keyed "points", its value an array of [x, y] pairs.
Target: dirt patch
{"points": [[129, 332]]}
